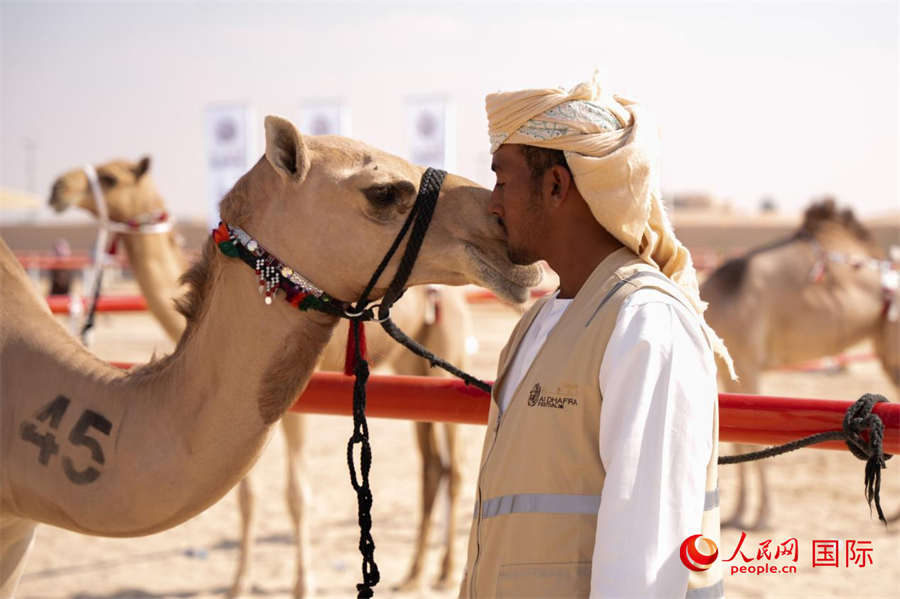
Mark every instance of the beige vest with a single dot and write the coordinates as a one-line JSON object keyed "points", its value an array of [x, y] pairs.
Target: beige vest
{"points": [[541, 476]]}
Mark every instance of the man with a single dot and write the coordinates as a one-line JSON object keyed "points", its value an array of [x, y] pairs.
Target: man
{"points": [[607, 388]]}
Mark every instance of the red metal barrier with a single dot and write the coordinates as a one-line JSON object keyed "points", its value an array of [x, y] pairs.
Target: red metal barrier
{"points": [[742, 418], [756, 419], [59, 304], [44, 262], [478, 296]]}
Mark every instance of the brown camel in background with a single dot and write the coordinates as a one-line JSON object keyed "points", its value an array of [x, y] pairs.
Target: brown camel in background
{"points": [[131, 197], [812, 295], [437, 318]]}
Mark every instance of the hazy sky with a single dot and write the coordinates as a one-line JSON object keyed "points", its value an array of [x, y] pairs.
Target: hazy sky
{"points": [[784, 100]]}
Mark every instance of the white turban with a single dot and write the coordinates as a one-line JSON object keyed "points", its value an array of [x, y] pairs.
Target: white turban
{"points": [[612, 148]]}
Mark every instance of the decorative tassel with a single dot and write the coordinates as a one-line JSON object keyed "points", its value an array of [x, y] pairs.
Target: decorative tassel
{"points": [[227, 248], [297, 298], [221, 234], [357, 329], [113, 245]]}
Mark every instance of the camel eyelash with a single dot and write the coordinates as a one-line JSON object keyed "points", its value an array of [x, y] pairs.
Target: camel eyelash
{"points": [[388, 194], [381, 195]]}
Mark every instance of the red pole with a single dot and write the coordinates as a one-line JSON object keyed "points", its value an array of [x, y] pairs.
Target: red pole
{"points": [[60, 262], [753, 419], [742, 418], [478, 296], [59, 304]]}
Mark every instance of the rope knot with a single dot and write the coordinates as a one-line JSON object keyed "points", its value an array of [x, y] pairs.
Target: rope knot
{"points": [[858, 418]]}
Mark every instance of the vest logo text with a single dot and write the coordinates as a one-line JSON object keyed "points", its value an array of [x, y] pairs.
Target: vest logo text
{"points": [[536, 399]]}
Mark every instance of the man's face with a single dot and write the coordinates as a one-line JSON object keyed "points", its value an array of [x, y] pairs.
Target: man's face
{"points": [[518, 205]]}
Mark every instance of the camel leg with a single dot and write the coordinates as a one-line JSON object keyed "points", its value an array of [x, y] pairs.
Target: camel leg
{"points": [[432, 470], [456, 454], [749, 383], [737, 518], [297, 495], [764, 517], [446, 337], [246, 500]]}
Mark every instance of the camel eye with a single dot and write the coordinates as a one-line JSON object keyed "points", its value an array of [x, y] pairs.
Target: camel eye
{"points": [[107, 179], [381, 195]]}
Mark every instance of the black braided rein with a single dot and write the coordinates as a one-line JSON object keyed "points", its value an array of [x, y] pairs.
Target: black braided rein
{"points": [[419, 219], [412, 345]]}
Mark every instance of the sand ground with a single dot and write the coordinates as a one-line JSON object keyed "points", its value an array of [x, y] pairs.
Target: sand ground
{"points": [[816, 495]]}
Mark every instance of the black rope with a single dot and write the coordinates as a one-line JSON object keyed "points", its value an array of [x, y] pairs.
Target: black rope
{"points": [[858, 418], [419, 219], [403, 339], [360, 436], [419, 216], [429, 190]]}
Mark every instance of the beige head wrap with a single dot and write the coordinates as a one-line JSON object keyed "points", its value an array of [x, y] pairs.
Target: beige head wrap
{"points": [[612, 148]]}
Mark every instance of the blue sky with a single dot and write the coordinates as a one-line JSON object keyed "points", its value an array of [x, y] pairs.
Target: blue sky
{"points": [[788, 100]]}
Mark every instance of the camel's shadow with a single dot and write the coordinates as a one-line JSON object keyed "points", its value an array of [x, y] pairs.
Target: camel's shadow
{"points": [[136, 593]]}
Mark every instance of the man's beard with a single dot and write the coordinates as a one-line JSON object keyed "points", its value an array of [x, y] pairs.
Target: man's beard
{"points": [[520, 256], [532, 231]]}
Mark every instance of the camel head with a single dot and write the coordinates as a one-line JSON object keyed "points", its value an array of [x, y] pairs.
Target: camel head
{"points": [[331, 207], [824, 220], [127, 188]]}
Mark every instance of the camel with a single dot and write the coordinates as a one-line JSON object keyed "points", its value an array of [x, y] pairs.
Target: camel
{"points": [[436, 318], [811, 295], [132, 201], [101, 451]]}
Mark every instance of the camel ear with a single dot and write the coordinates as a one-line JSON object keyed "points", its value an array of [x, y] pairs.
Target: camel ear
{"points": [[285, 149], [142, 167]]}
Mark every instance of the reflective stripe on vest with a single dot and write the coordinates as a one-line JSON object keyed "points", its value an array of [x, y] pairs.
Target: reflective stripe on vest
{"points": [[555, 503], [713, 591], [541, 503]]}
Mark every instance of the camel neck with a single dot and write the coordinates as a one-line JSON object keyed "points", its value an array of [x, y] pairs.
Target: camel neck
{"points": [[157, 263], [173, 437]]}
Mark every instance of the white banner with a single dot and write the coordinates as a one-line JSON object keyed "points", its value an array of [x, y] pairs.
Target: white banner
{"points": [[431, 133], [324, 118], [230, 131]]}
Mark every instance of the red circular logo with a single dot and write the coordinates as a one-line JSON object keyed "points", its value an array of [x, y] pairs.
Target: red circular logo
{"points": [[698, 553]]}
